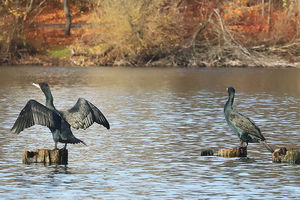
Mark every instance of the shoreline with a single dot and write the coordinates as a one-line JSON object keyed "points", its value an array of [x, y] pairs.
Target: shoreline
{"points": [[178, 59]]}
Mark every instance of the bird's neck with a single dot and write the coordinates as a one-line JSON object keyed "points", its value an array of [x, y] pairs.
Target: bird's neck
{"points": [[49, 100], [228, 105]]}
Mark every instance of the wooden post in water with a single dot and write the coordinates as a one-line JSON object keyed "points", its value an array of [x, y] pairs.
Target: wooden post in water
{"points": [[282, 155], [46, 156], [234, 152], [207, 152]]}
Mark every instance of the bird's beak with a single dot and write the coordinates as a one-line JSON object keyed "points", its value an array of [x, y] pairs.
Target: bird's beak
{"points": [[36, 85]]}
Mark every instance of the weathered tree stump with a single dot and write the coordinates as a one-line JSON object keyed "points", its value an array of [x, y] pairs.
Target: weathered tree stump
{"points": [[282, 155], [206, 152], [46, 156], [234, 152]]}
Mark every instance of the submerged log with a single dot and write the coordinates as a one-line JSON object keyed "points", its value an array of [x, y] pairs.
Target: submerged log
{"points": [[234, 152], [46, 156], [206, 152], [282, 155]]}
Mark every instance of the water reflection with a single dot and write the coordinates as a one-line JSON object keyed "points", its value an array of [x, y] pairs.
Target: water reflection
{"points": [[160, 120]]}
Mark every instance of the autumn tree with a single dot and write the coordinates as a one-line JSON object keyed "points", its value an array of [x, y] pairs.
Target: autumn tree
{"points": [[135, 31], [15, 17], [68, 17]]}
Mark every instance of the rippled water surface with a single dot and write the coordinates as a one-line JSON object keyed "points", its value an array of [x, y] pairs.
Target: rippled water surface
{"points": [[160, 119]]}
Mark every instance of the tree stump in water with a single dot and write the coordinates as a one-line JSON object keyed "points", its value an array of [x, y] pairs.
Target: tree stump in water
{"points": [[282, 155], [206, 152], [234, 152], [46, 156]]}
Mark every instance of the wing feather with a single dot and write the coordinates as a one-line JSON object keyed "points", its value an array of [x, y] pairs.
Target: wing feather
{"points": [[83, 114], [245, 124], [35, 113]]}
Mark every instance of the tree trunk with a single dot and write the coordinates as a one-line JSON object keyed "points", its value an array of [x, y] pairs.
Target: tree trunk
{"points": [[297, 16], [263, 8], [68, 18], [269, 15]]}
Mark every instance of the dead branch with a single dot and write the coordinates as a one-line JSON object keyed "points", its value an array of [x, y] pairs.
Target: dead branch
{"points": [[201, 27], [225, 30]]}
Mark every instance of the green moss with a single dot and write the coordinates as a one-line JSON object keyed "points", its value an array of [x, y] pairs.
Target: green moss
{"points": [[292, 157], [59, 52]]}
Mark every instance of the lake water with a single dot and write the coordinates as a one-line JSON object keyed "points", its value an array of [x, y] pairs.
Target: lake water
{"points": [[160, 120]]}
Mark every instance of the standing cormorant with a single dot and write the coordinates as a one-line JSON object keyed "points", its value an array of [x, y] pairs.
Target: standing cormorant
{"points": [[244, 127], [82, 115]]}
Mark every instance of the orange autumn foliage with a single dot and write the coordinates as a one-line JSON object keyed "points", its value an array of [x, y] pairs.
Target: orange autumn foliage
{"points": [[248, 19], [253, 22]]}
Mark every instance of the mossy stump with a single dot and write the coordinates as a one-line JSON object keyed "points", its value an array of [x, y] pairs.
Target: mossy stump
{"points": [[46, 156], [282, 155], [234, 152], [206, 152]]}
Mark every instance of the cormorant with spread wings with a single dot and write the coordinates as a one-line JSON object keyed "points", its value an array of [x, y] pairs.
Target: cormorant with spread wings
{"points": [[82, 115]]}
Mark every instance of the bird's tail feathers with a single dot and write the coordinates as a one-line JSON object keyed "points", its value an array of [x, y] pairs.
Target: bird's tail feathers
{"points": [[267, 146], [74, 140], [83, 142]]}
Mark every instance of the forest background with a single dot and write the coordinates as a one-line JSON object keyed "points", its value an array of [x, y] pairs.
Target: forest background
{"points": [[188, 33]]}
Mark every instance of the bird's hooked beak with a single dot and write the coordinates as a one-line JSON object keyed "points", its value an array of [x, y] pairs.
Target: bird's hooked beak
{"points": [[36, 85]]}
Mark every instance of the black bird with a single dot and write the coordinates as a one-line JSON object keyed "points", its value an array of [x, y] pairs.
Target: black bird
{"points": [[82, 115], [244, 127]]}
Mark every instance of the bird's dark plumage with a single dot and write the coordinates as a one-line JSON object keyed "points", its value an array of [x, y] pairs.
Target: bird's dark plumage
{"points": [[244, 127], [82, 115], [36, 113]]}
